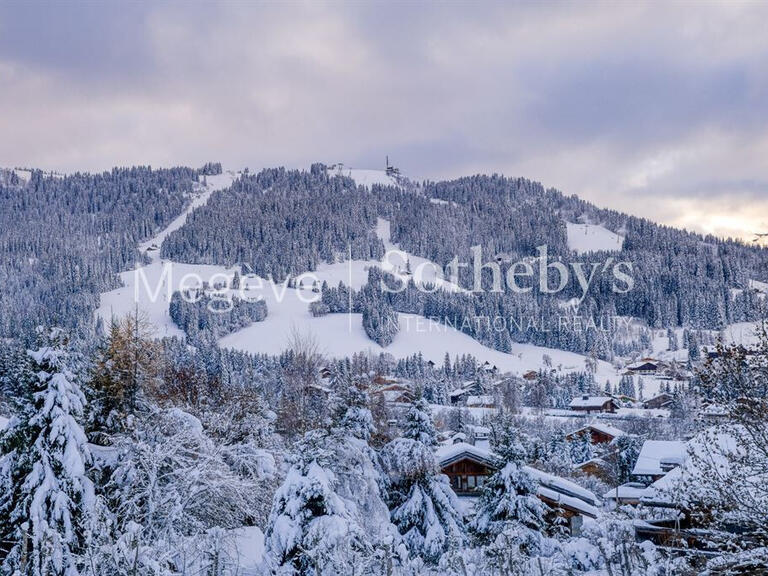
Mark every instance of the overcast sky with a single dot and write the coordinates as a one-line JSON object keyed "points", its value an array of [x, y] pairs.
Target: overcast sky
{"points": [[660, 111]]}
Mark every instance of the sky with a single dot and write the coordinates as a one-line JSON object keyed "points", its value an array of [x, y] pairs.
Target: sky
{"points": [[656, 109]]}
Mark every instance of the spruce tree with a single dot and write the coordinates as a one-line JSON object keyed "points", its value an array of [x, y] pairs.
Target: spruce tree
{"points": [[423, 506], [47, 495]]}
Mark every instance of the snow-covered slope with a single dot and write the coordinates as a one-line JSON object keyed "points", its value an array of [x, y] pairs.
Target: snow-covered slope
{"points": [[583, 238], [365, 177], [212, 184]]}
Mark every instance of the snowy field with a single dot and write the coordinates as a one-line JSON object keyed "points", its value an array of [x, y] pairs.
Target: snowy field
{"points": [[365, 178], [584, 238]]}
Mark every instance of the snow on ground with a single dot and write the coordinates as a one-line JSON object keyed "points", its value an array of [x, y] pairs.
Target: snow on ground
{"points": [[212, 183], [150, 288], [365, 178], [343, 334], [161, 277], [23, 175], [248, 550], [3, 423], [744, 333], [583, 238]]}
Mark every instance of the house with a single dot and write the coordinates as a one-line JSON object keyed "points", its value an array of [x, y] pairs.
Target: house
{"points": [[483, 401], [591, 404], [658, 457], [531, 375], [662, 400], [646, 366], [457, 396], [599, 433], [395, 393], [468, 466], [630, 494], [468, 389], [489, 368], [596, 467]]}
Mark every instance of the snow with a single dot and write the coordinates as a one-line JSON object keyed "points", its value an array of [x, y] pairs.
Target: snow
{"points": [[654, 453], [3, 423], [564, 487], [365, 178], [212, 184], [249, 550], [448, 452], [629, 491], [589, 401], [339, 335], [23, 175], [584, 238], [759, 286], [744, 333], [600, 427]]}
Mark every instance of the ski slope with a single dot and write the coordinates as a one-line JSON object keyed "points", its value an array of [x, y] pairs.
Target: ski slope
{"points": [[365, 178], [584, 238], [149, 288]]}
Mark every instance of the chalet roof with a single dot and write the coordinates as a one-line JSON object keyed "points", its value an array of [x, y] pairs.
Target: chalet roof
{"points": [[656, 453], [448, 454], [628, 491], [599, 427], [483, 400], [557, 490], [590, 401]]}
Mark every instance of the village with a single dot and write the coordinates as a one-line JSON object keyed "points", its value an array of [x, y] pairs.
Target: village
{"points": [[599, 422]]}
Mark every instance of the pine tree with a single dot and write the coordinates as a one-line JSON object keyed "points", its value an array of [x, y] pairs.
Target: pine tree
{"points": [[508, 503], [422, 503], [48, 497]]}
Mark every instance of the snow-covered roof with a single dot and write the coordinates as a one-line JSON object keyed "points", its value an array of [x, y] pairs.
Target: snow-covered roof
{"points": [[566, 493], [656, 453], [588, 401], [484, 400], [629, 491], [559, 490], [448, 454], [600, 427]]}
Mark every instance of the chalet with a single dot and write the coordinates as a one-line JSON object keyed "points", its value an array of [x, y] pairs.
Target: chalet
{"points": [[531, 375], [595, 467], [630, 494], [646, 366], [592, 404], [658, 457], [482, 401], [395, 393], [468, 466], [468, 389], [662, 400], [457, 396], [489, 368], [599, 433]]}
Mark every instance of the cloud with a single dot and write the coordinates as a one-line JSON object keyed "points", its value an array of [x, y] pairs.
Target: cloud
{"points": [[660, 114]]}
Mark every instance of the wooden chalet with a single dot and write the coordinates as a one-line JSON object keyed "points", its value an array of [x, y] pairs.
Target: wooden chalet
{"points": [[594, 404], [468, 466], [663, 400], [599, 433]]}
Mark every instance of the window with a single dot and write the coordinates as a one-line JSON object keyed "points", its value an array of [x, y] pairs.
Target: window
{"points": [[471, 481]]}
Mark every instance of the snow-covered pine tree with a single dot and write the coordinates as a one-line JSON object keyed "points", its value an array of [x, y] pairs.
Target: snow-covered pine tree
{"points": [[508, 505], [423, 506], [328, 516], [47, 495]]}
